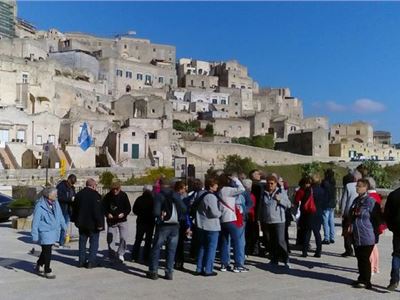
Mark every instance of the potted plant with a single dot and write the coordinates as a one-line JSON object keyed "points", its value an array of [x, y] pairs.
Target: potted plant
{"points": [[22, 207]]}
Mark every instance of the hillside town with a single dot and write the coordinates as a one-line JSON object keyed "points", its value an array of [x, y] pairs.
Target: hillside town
{"points": [[130, 92]]}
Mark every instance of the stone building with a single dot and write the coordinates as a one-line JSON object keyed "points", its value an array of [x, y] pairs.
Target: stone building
{"points": [[195, 74], [140, 107], [124, 76], [126, 47], [230, 127], [312, 142], [382, 137], [360, 132], [352, 149]]}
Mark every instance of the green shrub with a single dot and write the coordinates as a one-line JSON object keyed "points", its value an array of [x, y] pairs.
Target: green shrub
{"points": [[151, 176], [106, 178], [190, 126], [377, 172], [235, 163], [261, 141], [22, 203], [311, 169]]}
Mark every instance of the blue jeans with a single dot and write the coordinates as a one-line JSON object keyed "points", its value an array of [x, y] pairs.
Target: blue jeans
{"points": [[63, 232], [93, 238], [230, 231], [168, 234], [208, 242], [328, 218], [395, 273]]}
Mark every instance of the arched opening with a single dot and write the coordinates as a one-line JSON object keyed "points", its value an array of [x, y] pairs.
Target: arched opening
{"points": [[128, 88]]}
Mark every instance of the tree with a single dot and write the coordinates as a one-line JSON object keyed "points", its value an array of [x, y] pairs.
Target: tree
{"points": [[377, 172], [235, 163], [209, 130], [106, 178], [311, 169]]}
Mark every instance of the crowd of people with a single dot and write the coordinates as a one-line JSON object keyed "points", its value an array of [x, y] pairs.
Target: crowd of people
{"points": [[229, 213]]}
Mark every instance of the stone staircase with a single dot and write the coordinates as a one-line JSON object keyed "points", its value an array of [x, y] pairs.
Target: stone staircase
{"points": [[7, 160]]}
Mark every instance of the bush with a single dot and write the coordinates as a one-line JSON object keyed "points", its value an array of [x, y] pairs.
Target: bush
{"points": [[209, 130], [235, 163], [377, 172], [22, 203], [106, 178], [191, 126], [311, 169], [151, 176], [261, 141]]}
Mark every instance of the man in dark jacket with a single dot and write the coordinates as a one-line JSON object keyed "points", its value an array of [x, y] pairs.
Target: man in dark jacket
{"points": [[143, 209], [392, 219], [169, 209], [65, 196], [87, 213], [116, 209]]}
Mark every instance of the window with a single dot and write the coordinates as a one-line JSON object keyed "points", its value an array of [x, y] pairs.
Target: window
{"points": [[223, 101], [171, 81], [125, 46], [128, 88], [160, 79], [262, 125], [128, 74], [21, 135], [125, 148], [358, 132], [133, 133], [236, 104], [154, 50], [202, 83], [200, 71], [215, 101], [39, 140], [139, 76], [147, 80], [52, 138], [191, 82], [337, 131], [119, 73], [24, 78], [153, 111]]}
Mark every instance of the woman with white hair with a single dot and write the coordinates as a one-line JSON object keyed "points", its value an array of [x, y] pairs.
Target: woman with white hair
{"points": [[47, 223]]}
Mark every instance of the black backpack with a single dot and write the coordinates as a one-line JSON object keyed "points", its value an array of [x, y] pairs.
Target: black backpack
{"points": [[194, 207], [167, 206]]}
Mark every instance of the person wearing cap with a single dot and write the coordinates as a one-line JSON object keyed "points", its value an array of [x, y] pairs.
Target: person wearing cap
{"points": [[143, 209], [116, 209]]}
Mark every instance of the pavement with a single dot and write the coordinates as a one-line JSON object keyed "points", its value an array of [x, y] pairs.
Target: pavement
{"points": [[328, 277]]}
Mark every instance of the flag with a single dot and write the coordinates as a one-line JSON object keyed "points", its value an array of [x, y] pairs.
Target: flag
{"points": [[84, 139]]}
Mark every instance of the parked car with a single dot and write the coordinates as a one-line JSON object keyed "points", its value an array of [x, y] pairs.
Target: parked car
{"points": [[5, 211]]}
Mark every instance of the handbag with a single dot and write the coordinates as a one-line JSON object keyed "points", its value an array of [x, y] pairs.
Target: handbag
{"points": [[309, 206]]}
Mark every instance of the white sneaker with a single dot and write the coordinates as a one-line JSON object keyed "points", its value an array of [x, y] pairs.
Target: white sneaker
{"points": [[121, 258]]}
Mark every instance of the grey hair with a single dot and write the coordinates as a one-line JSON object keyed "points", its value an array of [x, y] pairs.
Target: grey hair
{"points": [[48, 191], [372, 183]]}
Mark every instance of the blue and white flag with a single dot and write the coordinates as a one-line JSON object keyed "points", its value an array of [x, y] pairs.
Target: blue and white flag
{"points": [[84, 139]]}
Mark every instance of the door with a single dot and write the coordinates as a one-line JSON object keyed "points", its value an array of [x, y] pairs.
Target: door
{"points": [[135, 151]]}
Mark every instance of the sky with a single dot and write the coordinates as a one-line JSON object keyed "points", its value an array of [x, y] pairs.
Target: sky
{"points": [[342, 59]]}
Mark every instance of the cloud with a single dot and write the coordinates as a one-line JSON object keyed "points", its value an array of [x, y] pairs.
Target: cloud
{"points": [[332, 106], [368, 106]]}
